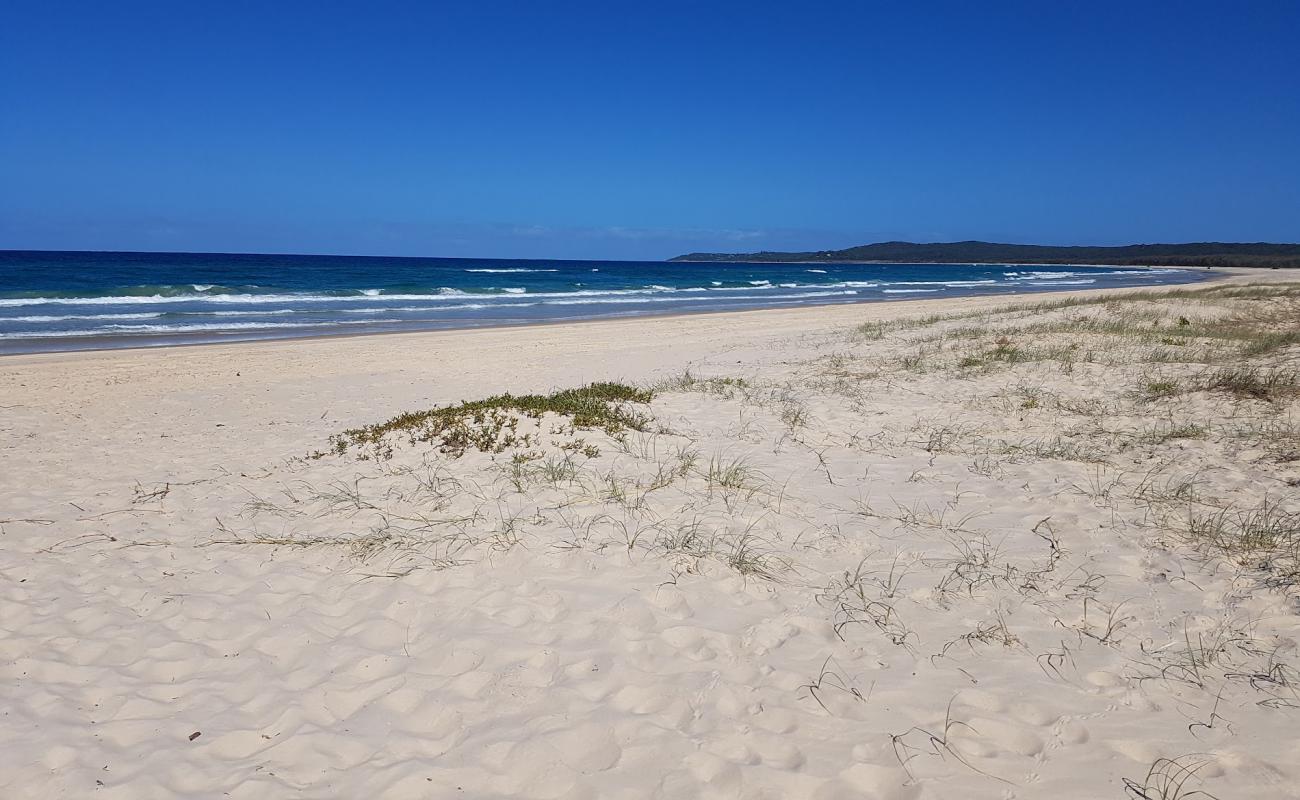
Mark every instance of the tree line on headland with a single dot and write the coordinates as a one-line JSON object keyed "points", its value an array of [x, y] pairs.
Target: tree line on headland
{"points": [[1196, 254]]}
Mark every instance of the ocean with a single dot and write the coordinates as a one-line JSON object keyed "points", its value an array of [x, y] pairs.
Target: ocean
{"points": [[51, 301]]}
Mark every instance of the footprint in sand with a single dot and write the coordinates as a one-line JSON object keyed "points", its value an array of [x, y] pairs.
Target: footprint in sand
{"points": [[672, 602], [878, 782], [689, 642], [770, 635], [586, 748], [641, 699], [778, 753], [455, 662], [714, 771], [776, 720], [1007, 735]]}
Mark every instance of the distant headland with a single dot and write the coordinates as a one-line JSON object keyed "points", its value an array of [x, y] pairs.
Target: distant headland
{"points": [[1195, 254]]}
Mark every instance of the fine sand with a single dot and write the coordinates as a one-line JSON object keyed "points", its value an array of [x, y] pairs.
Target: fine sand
{"points": [[852, 552]]}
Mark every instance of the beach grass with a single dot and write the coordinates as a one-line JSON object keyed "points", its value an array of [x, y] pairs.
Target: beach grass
{"points": [[491, 425]]}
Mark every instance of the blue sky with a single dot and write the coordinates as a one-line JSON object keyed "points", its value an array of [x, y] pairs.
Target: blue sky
{"points": [[644, 130]]}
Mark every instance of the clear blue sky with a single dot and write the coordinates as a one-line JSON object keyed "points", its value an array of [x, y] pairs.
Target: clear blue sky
{"points": [[555, 129]]}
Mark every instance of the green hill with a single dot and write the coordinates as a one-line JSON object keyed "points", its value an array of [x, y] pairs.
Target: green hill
{"points": [[1196, 254]]}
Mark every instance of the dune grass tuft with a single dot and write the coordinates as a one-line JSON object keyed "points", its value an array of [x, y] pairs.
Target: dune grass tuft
{"points": [[491, 424], [1267, 536], [1253, 382]]}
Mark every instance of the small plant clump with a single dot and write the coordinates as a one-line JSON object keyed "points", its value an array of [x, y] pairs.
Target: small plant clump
{"points": [[1156, 390], [1160, 434], [1006, 351], [491, 425], [689, 382], [1265, 343], [1265, 538], [1252, 382]]}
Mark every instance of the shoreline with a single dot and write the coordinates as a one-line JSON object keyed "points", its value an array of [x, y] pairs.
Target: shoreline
{"points": [[1216, 275], [824, 536]]}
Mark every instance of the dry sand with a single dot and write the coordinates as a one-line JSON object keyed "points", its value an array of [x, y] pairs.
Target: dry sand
{"points": [[892, 564]]}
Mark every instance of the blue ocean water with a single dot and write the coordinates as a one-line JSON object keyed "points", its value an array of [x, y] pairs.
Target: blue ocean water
{"points": [[79, 300]]}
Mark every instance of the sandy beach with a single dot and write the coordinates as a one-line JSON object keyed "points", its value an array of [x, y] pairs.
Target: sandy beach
{"points": [[993, 547]]}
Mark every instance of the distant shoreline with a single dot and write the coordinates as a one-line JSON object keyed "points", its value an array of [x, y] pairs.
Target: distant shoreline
{"points": [[884, 262], [167, 342], [1188, 255]]}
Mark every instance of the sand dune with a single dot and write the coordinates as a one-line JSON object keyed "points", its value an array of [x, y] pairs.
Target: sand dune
{"points": [[908, 550]]}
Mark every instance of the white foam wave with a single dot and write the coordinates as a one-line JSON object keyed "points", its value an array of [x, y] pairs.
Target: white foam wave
{"points": [[1032, 274], [837, 285], [230, 299], [1037, 274], [118, 330], [695, 299], [67, 317], [243, 313], [508, 295], [158, 299], [426, 309], [205, 303], [954, 284]]}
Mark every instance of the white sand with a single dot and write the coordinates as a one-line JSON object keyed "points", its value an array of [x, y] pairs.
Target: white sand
{"points": [[956, 605]]}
